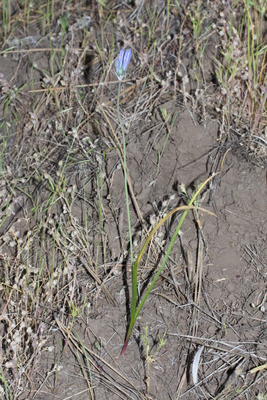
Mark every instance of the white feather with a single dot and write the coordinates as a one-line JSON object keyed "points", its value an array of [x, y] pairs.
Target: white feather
{"points": [[196, 364]]}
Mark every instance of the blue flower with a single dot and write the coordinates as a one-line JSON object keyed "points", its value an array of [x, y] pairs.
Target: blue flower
{"points": [[122, 62]]}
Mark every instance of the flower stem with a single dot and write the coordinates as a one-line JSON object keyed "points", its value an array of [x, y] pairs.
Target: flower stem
{"points": [[125, 175]]}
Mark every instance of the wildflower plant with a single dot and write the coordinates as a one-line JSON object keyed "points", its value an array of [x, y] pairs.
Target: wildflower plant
{"points": [[121, 64]]}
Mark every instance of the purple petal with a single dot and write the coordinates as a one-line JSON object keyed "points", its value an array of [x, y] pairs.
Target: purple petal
{"points": [[121, 57], [117, 65], [126, 59]]}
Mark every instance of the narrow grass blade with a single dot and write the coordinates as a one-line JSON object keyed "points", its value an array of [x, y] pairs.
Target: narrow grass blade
{"points": [[135, 312]]}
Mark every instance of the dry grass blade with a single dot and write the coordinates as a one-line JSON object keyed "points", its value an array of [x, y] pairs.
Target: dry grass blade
{"points": [[110, 299], [94, 356], [120, 152]]}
